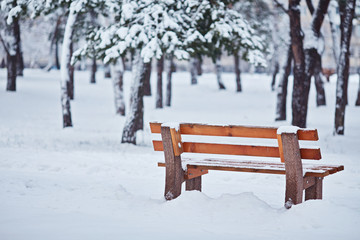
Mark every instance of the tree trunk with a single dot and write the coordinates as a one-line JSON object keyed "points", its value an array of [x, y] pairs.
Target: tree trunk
{"points": [[218, 72], [274, 73], [19, 53], [107, 71], [237, 72], [66, 66], [117, 73], [199, 66], [319, 83], [357, 103], [57, 61], [2, 63], [170, 68], [310, 6], [71, 73], [312, 54], [11, 76], [11, 59], [282, 87], [301, 85], [333, 16], [93, 70], [147, 83], [276, 39], [135, 117], [193, 70], [346, 9], [159, 89], [11, 46], [54, 47], [20, 62], [93, 19]]}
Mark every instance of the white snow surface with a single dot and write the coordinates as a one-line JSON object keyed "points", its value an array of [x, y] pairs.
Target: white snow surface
{"points": [[175, 125], [82, 183], [287, 129]]}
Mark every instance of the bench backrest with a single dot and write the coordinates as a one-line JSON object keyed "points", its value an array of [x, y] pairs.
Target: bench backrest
{"points": [[233, 131]]}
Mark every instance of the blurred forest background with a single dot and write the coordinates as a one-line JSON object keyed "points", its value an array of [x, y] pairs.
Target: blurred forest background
{"points": [[309, 39]]}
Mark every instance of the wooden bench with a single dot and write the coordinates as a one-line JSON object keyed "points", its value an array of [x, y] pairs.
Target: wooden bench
{"points": [[299, 176]]}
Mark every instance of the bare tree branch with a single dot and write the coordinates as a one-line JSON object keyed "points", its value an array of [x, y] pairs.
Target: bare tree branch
{"points": [[310, 6], [281, 6], [3, 42]]}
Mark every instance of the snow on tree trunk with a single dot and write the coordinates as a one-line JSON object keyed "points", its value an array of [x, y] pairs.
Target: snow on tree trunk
{"points": [[11, 46], [170, 68], [237, 72], [193, 70], [159, 89], [19, 52], [93, 70], [282, 87], [71, 74], [301, 86], [314, 46], [346, 14], [65, 68], [147, 82], [218, 72], [117, 73], [334, 19], [135, 116]]}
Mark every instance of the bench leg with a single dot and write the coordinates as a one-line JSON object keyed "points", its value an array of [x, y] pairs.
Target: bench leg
{"points": [[174, 172], [173, 180], [315, 191], [193, 184], [290, 152]]}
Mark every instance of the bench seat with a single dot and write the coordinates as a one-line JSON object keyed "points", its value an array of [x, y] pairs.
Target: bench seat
{"points": [[309, 170]]}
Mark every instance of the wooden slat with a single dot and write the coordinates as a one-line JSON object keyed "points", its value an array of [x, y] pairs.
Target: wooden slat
{"points": [[155, 127], [193, 173], [310, 153], [258, 167], [308, 134], [176, 141], [228, 131], [281, 151], [245, 150], [308, 182], [235, 131], [251, 170]]}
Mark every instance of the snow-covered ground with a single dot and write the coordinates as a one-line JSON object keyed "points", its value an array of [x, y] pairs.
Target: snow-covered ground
{"points": [[82, 183]]}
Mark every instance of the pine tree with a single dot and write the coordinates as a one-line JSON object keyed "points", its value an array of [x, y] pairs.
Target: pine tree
{"points": [[75, 8], [152, 29]]}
